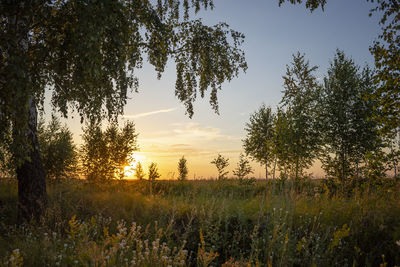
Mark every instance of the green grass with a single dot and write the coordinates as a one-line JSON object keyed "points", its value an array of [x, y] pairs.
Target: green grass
{"points": [[205, 223]]}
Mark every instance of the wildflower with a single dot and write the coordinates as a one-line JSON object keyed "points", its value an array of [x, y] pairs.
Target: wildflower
{"points": [[76, 261], [398, 243]]}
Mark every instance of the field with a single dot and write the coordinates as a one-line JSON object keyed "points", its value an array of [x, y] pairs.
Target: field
{"points": [[205, 223]]}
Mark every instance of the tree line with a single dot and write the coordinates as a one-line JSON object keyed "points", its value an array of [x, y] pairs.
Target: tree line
{"points": [[333, 120]]}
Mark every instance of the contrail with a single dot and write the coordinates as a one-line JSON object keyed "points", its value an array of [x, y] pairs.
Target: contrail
{"points": [[139, 115]]}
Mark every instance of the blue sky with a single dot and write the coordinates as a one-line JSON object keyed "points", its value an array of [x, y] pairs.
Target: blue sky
{"points": [[273, 34]]}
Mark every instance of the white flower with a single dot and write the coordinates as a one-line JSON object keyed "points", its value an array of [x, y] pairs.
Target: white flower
{"points": [[398, 243]]}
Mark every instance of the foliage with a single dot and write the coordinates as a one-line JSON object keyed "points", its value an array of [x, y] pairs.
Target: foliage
{"points": [[348, 131], [87, 52], [221, 163], [139, 172], [182, 169], [386, 51], [57, 148], [299, 123], [153, 172], [243, 167], [105, 154], [259, 141]]}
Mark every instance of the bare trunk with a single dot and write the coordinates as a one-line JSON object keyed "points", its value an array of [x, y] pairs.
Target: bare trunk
{"points": [[266, 172], [273, 174], [32, 198]]}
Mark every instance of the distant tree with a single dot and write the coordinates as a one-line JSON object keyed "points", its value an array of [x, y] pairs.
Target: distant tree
{"points": [[105, 154], [182, 169], [243, 167], [139, 172], [221, 163], [121, 143], [301, 101], [153, 172], [349, 133], [58, 149], [86, 52], [259, 141]]}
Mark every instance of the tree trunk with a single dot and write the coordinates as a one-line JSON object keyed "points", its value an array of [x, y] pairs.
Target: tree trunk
{"points": [[266, 172], [32, 198], [273, 174]]}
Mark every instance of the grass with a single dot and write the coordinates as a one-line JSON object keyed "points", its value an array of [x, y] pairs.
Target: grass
{"points": [[203, 223]]}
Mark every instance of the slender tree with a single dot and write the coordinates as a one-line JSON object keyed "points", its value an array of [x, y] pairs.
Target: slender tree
{"points": [[301, 99], [221, 163], [139, 172], [259, 141], [182, 169], [153, 172], [86, 52], [243, 167]]}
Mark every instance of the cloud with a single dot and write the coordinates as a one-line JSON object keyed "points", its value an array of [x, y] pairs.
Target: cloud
{"points": [[196, 131], [145, 114]]}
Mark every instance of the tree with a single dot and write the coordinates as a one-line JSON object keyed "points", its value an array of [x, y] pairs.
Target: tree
{"points": [[105, 154], [86, 52], [349, 133], [221, 163], [281, 142], [182, 169], [121, 143], [243, 167], [57, 149], [259, 141], [139, 172], [153, 172], [386, 52], [301, 96]]}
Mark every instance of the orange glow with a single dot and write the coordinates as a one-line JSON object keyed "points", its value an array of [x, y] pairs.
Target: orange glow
{"points": [[130, 169]]}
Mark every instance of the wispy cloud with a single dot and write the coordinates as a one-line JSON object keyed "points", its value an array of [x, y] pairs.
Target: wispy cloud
{"points": [[145, 114]]}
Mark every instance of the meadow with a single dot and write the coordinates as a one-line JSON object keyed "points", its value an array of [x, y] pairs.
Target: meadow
{"points": [[206, 223]]}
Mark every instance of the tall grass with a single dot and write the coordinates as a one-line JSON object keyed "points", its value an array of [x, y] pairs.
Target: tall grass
{"points": [[202, 223]]}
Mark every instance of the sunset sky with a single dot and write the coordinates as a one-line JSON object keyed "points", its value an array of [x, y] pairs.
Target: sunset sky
{"points": [[273, 34]]}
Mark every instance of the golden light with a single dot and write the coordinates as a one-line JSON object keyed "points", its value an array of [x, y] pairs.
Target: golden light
{"points": [[136, 157]]}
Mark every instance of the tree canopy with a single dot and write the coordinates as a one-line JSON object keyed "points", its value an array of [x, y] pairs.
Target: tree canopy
{"points": [[87, 53]]}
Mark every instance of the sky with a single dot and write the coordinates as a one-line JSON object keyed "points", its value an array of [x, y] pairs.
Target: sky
{"points": [[273, 34]]}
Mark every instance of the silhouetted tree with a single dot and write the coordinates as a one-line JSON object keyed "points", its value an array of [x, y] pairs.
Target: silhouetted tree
{"points": [[139, 172], [182, 169], [221, 163], [243, 167], [105, 154], [57, 149], [153, 172], [86, 53]]}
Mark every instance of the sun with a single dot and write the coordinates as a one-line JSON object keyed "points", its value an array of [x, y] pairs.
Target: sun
{"points": [[136, 157]]}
